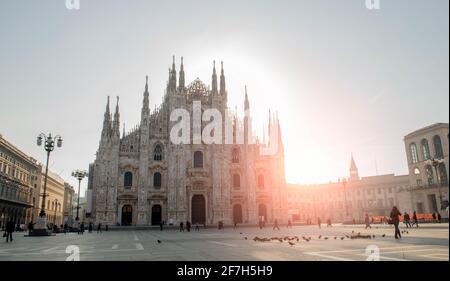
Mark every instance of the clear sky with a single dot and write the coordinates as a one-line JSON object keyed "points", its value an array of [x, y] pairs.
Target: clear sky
{"points": [[343, 78]]}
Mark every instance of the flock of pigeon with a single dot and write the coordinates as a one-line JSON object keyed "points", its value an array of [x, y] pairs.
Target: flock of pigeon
{"points": [[292, 240]]}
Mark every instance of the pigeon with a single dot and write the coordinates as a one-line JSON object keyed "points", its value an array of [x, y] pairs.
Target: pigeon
{"points": [[342, 238], [240, 233], [335, 237], [326, 238], [290, 243], [159, 241], [373, 236], [384, 235], [353, 231], [245, 238], [320, 236], [347, 236], [407, 232]]}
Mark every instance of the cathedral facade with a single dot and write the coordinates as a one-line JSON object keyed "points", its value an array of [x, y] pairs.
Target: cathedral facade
{"points": [[143, 177]]}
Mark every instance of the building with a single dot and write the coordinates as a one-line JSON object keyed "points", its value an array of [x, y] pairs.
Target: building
{"points": [[17, 184], [427, 155], [69, 194], [143, 177], [346, 200], [55, 196]]}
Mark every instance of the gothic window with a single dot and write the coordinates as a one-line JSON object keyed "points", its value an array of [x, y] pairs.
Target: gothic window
{"points": [[157, 180], [425, 150], [235, 155], [414, 155], [128, 180], [157, 154], [261, 181], [430, 178], [438, 146], [198, 159], [442, 174], [236, 181]]}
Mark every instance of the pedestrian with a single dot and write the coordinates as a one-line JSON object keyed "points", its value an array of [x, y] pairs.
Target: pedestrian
{"points": [[65, 228], [197, 227], [9, 229], [275, 224], [30, 227], [260, 224], [99, 228], [329, 223], [106, 227], [319, 222], [415, 220], [82, 228], [188, 226], [181, 226], [407, 220], [289, 225], [439, 217], [235, 224], [395, 220], [90, 226], [434, 217], [367, 221]]}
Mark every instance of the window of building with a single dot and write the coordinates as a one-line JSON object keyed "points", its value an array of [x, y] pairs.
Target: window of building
{"points": [[414, 155], [236, 181], [438, 146], [261, 181], [198, 159], [157, 180], [425, 150], [157, 153], [442, 174], [235, 155], [128, 180]]}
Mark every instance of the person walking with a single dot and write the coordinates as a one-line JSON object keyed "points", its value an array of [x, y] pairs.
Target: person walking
{"points": [[329, 223], [106, 227], [90, 226], [181, 226], [9, 229], [415, 220], [30, 227], [407, 220], [395, 213], [439, 217], [99, 228], [161, 225], [434, 217], [188, 226], [197, 227], [65, 228], [289, 225], [319, 222], [275, 224], [367, 221], [82, 228]]}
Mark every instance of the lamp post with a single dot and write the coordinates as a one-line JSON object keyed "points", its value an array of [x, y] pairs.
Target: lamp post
{"points": [[435, 162], [49, 147], [79, 175]]}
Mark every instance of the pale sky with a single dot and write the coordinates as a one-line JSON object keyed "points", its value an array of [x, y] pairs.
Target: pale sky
{"points": [[344, 79]]}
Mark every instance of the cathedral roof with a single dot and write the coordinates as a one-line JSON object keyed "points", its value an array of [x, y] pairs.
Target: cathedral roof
{"points": [[197, 87]]}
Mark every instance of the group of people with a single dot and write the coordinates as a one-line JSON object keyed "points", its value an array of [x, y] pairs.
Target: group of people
{"points": [[188, 226]]}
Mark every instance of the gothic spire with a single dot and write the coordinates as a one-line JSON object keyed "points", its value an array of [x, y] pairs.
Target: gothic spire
{"points": [[181, 79], [214, 79], [106, 121], [145, 103], [353, 170], [222, 81], [246, 103], [116, 123]]}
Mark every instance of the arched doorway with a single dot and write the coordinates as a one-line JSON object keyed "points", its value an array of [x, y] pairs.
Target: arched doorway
{"points": [[262, 212], [156, 214], [198, 209], [127, 215], [237, 213]]}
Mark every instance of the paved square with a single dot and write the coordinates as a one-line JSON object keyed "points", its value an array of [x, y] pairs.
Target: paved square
{"points": [[429, 242]]}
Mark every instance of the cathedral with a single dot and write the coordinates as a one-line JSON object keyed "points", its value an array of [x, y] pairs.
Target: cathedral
{"points": [[143, 177]]}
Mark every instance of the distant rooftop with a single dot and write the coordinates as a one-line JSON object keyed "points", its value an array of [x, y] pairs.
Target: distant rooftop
{"points": [[427, 128]]}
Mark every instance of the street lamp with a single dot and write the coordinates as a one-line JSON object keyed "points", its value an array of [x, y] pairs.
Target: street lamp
{"points": [[435, 162], [49, 147], [79, 175]]}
